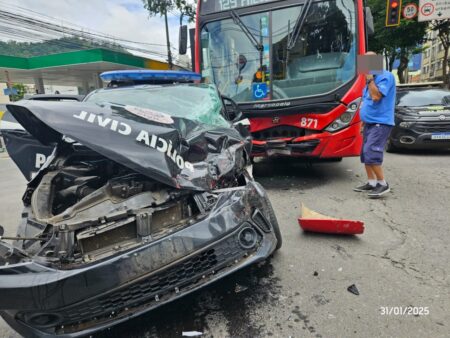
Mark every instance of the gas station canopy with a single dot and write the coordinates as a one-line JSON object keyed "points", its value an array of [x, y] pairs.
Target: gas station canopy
{"points": [[76, 68]]}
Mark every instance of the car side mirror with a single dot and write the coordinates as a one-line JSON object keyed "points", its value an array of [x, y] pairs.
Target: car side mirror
{"points": [[2, 231], [233, 111], [182, 40]]}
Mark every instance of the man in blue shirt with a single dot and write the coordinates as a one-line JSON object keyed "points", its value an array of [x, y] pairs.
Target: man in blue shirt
{"points": [[377, 114]]}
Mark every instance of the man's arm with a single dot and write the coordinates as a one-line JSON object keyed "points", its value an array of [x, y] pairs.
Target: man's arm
{"points": [[374, 92]]}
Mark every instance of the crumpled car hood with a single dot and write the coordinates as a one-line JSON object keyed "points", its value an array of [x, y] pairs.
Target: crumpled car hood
{"points": [[175, 151]]}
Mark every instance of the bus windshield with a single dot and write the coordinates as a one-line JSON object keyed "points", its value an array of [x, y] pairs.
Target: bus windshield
{"points": [[280, 66]]}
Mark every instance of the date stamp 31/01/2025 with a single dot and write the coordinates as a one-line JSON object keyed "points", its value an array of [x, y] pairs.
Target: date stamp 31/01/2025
{"points": [[404, 310]]}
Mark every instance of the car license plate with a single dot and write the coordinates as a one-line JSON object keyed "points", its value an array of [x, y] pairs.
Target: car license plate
{"points": [[440, 136], [271, 152]]}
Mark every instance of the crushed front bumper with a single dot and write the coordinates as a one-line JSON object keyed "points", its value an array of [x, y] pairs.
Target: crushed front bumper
{"points": [[44, 302], [344, 143]]}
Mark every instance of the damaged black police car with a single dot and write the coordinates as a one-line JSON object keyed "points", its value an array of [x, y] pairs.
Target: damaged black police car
{"points": [[146, 197]]}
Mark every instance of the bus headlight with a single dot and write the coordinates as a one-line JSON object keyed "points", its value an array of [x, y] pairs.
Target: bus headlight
{"points": [[346, 117]]}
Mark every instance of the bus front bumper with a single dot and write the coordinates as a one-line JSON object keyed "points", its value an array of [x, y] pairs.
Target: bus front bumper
{"points": [[344, 143]]}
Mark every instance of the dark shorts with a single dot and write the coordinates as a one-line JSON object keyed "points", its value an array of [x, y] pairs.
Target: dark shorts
{"points": [[375, 137]]}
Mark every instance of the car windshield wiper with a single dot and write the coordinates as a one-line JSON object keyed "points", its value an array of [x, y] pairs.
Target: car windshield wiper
{"points": [[238, 21], [292, 40]]}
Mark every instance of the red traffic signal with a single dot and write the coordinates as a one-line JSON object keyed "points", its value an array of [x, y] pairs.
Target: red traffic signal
{"points": [[393, 11]]}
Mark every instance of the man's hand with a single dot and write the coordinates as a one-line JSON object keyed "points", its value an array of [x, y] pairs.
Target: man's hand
{"points": [[373, 89], [369, 77]]}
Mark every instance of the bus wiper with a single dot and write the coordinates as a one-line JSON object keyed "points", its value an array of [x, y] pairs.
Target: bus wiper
{"points": [[298, 25], [237, 20]]}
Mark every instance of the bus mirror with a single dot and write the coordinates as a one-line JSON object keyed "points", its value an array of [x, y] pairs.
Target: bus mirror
{"points": [[182, 40], [369, 21]]}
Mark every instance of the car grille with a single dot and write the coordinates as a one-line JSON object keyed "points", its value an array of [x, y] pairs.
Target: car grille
{"points": [[431, 127], [158, 287], [278, 132]]}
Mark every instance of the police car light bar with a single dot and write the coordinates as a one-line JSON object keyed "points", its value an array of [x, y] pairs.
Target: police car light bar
{"points": [[150, 75]]}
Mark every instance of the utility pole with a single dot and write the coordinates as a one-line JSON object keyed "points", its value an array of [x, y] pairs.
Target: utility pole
{"points": [[169, 54]]}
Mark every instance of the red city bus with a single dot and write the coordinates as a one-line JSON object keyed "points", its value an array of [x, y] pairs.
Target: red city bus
{"points": [[290, 65]]}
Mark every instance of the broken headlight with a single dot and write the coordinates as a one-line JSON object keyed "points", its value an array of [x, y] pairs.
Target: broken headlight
{"points": [[346, 117]]}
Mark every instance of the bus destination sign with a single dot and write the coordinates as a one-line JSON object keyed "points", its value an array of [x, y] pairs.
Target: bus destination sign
{"points": [[211, 6]]}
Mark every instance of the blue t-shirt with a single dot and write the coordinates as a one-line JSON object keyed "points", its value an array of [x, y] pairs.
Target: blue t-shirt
{"points": [[381, 111]]}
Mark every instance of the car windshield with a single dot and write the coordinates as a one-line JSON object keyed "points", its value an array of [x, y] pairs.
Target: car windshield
{"points": [[428, 97], [321, 59], [197, 102]]}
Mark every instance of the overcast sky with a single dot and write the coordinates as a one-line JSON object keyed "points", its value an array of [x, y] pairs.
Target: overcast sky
{"points": [[122, 18]]}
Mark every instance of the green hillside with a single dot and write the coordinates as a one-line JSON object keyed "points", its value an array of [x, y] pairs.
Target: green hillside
{"points": [[67, 44]]}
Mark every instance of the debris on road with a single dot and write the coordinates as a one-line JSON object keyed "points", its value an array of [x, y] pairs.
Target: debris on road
{"points": [[240, 288], [315, 222], [192, 333], [315, 273], [353, 289]]}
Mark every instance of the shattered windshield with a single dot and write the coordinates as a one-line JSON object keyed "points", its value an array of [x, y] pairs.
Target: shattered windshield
{"points": [[197, 102], [321, 59]]}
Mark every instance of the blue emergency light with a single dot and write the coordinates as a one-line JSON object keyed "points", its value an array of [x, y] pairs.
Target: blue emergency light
{"points": [[150, 75]]}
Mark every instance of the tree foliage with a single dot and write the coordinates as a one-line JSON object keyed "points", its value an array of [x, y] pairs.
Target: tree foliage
{"points": [[161, 7], [443, 31], [398, 42], [21, 90]]}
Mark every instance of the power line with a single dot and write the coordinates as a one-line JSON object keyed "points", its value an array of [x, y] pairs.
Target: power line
{"points": [[18, 26], [25, 11]]}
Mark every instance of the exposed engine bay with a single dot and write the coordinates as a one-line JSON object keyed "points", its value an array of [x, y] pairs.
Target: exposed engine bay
{"points": [[86, 207]]}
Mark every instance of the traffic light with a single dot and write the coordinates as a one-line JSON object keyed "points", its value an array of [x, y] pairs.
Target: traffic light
{"points": [[393, 12]]}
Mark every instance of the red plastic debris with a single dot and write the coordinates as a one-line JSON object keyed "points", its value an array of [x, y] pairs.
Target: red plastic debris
{"points": [[315, 222]]}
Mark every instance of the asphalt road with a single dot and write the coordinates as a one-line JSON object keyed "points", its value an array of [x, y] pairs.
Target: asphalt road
{"points": [[401, 260]]}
